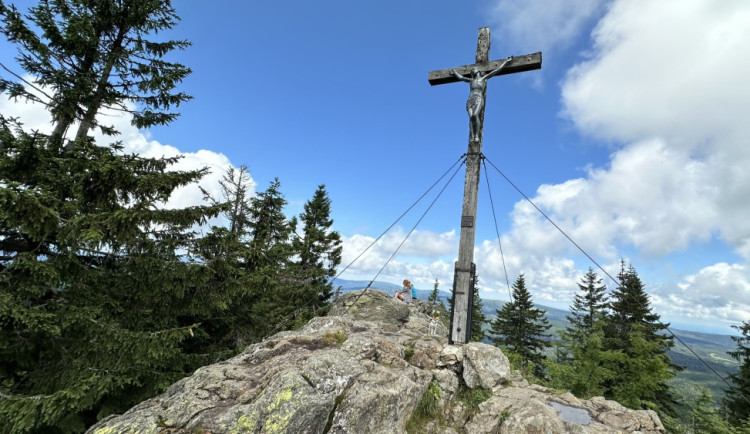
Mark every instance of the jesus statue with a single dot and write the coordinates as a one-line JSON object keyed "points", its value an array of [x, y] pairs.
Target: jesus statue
{"points": [[475, 103]]}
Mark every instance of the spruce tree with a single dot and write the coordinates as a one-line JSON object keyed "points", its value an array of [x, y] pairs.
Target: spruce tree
{"points": [[269, 262], [270, 231], [704, 418], [735, 401], [520, 327], [633, 329], [319, 250], [630, 306], [478, 319], [581, 354], [434, 297], [94, 55], [101, 292], [225, 250], [587, 367], [235, 188], [589, 305], [643, 373]]}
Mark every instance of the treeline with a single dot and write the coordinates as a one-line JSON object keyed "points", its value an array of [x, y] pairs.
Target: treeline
{"points": [[615, 346], [106, 297]]}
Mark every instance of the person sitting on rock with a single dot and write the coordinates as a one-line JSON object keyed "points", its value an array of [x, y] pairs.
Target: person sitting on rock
{"points": [[405, 293]]}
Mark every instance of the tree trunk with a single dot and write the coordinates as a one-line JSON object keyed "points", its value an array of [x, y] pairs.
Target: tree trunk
{"points": [[92, 108]]}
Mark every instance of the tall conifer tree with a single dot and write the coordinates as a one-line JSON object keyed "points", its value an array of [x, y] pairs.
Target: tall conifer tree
{"points": [[478, 318], [736, 399], [520, 327], [94, 55], [434, 296], [636, 331], [589, 305], [235, 188], [631, 306], [100, 295], [269, 262], [704, 418], [584, 365], [270, 231], [225, 249], [319, 250]]}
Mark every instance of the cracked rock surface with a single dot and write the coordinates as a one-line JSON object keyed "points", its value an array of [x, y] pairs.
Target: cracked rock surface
{"points": [[364, 368]]}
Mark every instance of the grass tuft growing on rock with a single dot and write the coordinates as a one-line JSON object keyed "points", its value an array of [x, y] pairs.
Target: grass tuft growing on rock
{"points": [[335, 339], [503, 417], [428, 409], [471, 398], [408, 353], [336, 403]]}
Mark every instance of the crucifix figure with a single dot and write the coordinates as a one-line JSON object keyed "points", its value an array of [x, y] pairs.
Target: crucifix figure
{"points": [[476, 75], [475, 103]]}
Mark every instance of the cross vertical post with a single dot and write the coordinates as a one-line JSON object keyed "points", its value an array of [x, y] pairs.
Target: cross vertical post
{"points": [[480, 71]]}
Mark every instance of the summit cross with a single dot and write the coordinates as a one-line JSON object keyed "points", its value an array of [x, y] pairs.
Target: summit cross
{"points": [[476, 75]]}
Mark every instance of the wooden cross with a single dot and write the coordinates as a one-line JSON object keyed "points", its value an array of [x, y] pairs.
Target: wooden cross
{"points": [[463, 278]]}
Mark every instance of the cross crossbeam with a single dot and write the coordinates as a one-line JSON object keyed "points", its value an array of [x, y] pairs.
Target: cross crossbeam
{"points": [[527, 62]]}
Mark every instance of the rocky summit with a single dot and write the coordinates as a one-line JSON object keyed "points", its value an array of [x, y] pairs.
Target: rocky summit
{"points": [[371, 366]]}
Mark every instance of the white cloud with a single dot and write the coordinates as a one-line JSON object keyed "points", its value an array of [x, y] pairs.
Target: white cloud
{"points": [[666, 79], [652, 197], [542, 25], [137, 142], [717, 293], [424, 257], [551, 279], [673, 69], [420, 243]]}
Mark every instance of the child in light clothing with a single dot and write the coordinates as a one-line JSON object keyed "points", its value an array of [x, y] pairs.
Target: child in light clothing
{"points": [[432, 328], [405, 293]]}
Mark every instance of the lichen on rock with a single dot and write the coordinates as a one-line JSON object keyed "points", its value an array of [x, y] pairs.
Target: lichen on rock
{"points": [[365, 368]]}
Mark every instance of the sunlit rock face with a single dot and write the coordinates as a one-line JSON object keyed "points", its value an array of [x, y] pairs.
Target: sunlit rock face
{"points": [[370, 366]]}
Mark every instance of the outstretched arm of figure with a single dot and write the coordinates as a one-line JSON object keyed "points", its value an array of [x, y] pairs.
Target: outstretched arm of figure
{"points": [[459, 76], [502, 65]]}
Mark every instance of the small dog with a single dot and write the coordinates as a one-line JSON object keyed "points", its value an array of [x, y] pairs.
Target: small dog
{"points": [[432, 329]]}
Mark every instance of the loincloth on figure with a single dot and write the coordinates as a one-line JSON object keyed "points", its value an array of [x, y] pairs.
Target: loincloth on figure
{"points": [[473, 103]]}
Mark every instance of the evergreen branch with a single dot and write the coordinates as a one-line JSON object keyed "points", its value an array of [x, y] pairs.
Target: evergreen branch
{"points": [[29, 84]]}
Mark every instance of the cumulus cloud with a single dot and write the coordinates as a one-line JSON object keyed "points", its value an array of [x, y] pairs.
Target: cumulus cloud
{"points": [[422, 258], [670, 69], [717, 294], [664, 83], [654, 198], [420, 243], [542, 25], [137, 142], [550, 278]]}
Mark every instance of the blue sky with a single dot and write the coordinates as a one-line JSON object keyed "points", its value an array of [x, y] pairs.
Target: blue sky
{"points": [[632, 136]]}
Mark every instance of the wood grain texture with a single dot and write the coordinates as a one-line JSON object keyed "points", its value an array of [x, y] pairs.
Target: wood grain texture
{"points": [[526, 62]]}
